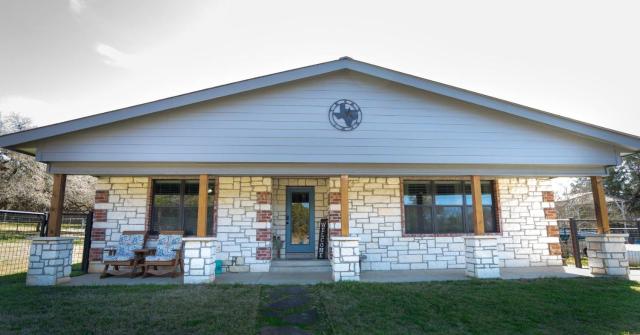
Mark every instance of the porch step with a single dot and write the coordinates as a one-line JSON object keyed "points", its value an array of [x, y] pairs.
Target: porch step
{"points": [[300, 255], [295, 265]]}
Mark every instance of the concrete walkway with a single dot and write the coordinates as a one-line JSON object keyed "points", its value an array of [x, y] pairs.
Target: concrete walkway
{"points": [[310, 278]]}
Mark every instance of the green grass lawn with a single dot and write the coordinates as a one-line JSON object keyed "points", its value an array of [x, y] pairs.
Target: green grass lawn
{"points": [[544, 306]]}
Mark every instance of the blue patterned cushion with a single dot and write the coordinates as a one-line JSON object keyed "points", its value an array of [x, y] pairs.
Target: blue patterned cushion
{"points": [[158, 258], [128, 243], [167, 244]]}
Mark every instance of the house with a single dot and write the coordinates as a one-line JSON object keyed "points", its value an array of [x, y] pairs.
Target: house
{"points": [[408, 173]]}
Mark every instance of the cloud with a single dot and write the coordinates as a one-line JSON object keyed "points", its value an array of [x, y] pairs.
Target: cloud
{"points": [[112, 56], [77, 6]]}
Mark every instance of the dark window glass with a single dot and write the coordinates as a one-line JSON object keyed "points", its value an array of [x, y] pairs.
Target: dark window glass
{"points": [[445, 207], [449, 219], [175, 206]]}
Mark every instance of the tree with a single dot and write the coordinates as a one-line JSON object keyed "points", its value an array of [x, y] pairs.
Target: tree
{"points": [[622, 188], [26, 185], [623, 182]]}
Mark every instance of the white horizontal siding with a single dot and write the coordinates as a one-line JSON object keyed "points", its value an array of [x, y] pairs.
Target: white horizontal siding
{"points": [[289, 124]]}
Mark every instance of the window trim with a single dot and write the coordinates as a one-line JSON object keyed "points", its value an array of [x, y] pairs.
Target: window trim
{"points": [[149, 213], [495, 199]]}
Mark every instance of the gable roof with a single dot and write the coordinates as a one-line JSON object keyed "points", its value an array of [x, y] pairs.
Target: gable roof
{"points": [[627, 142]]}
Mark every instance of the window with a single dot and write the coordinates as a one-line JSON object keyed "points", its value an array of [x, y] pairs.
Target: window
{"points": [[175, 206], [445, 207]]}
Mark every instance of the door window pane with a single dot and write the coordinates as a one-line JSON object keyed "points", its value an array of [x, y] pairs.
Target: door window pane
{"points": [[300, 218]]}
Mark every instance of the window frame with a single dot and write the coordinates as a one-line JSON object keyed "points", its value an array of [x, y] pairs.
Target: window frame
{"points": [[495, 206], [151, 203]]}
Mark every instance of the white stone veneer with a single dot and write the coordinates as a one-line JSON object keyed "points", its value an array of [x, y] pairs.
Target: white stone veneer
{"points": [[375, 218], [608, 254], [199, 260], [49, 261], [238, 221], [126, 208], [524, 241], [376, 214], [482, 256], [345, 258]]}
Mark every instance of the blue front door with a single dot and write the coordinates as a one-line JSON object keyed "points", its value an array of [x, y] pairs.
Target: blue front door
{"points": [[299, 221]]}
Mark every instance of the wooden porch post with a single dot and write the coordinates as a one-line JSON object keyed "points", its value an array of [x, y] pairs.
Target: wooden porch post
{"points": [[203, 192], [57, 205], [600, 204], [344, 205], [476, 199]]}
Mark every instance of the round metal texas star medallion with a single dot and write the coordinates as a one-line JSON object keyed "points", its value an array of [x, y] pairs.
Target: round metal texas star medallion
{"points": [[345, 115]]}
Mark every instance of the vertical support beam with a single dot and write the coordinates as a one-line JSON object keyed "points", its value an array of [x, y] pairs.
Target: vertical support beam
{"points": [[476, 199], [203, 192], [600, 204], [573, 229], [344, 205], [57, 205]]}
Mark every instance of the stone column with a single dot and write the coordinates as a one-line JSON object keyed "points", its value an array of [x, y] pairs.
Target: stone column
{"points": [[608, 255], [345, 258], [199, 260], [49, 261], [481, 256]]}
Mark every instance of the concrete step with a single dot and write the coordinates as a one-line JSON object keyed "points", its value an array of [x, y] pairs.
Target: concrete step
{"points": [[300, 255], [319, 265]]}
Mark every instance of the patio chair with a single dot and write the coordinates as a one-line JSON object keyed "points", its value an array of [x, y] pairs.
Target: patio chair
{"points": [[129, 252], [168, 253]]}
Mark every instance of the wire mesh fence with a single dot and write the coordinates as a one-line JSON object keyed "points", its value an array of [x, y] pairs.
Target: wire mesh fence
{"points": [[573, 239], [18, 227]]}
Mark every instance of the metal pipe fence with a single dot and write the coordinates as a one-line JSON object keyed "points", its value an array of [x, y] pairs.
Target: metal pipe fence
{"points": [[573, 233], [18, 227]]}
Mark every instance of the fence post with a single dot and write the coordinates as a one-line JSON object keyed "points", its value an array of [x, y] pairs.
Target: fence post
{"points": [[44, 224], [87, 242], [573, 228]]}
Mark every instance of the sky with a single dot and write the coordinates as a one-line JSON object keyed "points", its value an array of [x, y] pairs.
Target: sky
{"points": [[64, 59]]}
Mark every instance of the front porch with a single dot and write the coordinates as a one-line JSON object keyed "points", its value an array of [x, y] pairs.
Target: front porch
{"points": [[430, 227], [311, 278]]}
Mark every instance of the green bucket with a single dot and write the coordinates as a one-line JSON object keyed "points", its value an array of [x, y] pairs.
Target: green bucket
{"points": [[218, 267]]}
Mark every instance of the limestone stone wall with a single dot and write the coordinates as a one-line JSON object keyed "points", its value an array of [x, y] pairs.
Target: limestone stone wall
{"points": [[375, 216], [321, 210], [244, 222], [528, 223], [528, 237], [526, 213], [121, 205]]}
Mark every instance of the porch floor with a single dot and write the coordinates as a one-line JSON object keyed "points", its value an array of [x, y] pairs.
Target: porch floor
{"points": [[309, 278]]}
